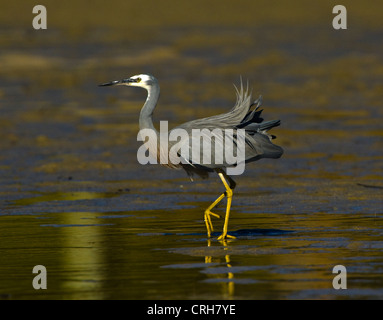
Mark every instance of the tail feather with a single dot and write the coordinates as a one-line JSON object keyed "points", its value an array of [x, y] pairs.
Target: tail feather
{"points": [[265, 126], [253, 115], [253, 123]]}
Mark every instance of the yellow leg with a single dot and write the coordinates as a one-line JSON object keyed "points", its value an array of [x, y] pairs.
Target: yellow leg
{"points": [[229, 195], [209, 225]]}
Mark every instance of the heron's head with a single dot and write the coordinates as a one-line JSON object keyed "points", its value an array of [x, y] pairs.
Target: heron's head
{"points": [[141, 80]]}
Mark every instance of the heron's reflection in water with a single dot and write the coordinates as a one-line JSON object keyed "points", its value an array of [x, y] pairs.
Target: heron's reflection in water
{"points": [[228, 282]]}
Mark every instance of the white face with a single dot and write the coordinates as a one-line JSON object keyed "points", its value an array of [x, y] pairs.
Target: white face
{"points": [[141, 80]]}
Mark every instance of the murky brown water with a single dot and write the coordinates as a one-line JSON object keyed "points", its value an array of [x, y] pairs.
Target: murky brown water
{"points": [[74, 198]]}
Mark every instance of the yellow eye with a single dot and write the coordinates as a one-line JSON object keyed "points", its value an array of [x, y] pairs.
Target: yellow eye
{"points": [[138, 80]]}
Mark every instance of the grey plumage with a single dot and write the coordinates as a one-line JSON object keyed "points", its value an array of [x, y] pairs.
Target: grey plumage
{"points": [[241, 116], [244, 115]]}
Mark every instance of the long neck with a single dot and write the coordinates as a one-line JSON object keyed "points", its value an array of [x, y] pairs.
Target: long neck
{"points": [[146, 121]]}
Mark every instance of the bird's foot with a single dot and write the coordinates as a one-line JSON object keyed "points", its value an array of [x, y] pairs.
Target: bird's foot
{"points": [[208, 212], [225, 237]]}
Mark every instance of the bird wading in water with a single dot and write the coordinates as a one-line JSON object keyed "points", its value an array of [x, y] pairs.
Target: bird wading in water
{"points": [[245, 116]]}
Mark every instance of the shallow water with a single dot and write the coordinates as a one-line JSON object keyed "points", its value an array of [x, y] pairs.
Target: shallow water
{"points": [[74, 198]]}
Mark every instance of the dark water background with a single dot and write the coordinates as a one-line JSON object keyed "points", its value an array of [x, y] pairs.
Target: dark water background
{"points": [[74, 198]]}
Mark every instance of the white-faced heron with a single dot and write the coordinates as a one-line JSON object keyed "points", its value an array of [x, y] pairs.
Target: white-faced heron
{"points": [[242, 117]]}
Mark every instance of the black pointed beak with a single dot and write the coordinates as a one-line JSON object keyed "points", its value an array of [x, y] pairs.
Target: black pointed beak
{"points": [[115, 82], [109, 83]]}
